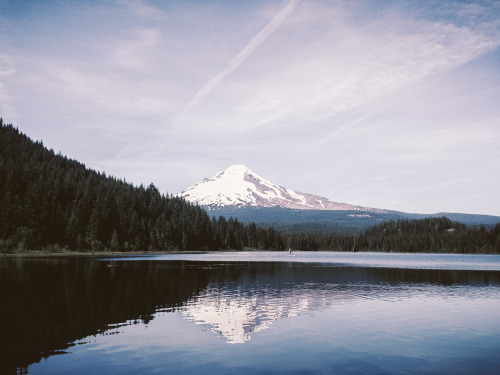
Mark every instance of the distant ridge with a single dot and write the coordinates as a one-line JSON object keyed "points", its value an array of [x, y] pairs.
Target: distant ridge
{"points": [[239, 192], [338, 221], [239, 186]]}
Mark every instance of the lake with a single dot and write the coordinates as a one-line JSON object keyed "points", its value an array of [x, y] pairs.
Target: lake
{"points": [[251, 313]]}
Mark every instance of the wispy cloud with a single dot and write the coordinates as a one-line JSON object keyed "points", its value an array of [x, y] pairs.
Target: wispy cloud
{"points": [[350, 69], [7, 107], [320, 64], [243, 54], [135, 52], [325, 91], [144, 10]]}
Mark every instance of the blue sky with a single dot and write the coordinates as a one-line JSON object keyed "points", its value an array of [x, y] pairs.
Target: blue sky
{"points": [[388, 104]]}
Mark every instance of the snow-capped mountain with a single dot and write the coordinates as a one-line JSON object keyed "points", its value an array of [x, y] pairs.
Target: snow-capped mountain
{"points": [[237, 314], [240, 186]]}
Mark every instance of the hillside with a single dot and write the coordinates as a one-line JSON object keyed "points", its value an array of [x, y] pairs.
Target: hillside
{"points": [[423, 235], [51, 202], [241, 193], [290, 220], [338, 221]]}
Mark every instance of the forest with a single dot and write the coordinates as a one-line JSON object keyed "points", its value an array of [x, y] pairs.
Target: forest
{"points": [[418, 235], [50, 202]]}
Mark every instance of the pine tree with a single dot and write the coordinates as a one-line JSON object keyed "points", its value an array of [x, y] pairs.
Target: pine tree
{"points": [[114, 243]]}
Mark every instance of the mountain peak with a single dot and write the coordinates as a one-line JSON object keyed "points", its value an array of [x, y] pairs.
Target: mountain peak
{"points": [[238, 185], [237, 169]]}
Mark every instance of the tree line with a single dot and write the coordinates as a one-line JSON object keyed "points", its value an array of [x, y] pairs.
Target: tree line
{"points": [[48, 201], [419, 235]]}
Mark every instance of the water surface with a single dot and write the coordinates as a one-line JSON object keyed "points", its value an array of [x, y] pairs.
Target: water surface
{"points": [[316, 313]]}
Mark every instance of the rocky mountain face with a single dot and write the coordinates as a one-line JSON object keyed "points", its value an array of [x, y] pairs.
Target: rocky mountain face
{"points": [[241, 187]]}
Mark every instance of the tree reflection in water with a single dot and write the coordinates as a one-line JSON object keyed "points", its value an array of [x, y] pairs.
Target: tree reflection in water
{"points": [[49, 303]]}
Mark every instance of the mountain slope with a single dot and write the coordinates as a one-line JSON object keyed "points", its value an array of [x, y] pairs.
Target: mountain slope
{"points": [[239, 192], [240, 186], [288, 220], [48, 201]]}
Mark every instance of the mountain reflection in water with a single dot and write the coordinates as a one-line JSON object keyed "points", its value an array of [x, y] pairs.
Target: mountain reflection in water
{"points": [[47, 304], [236, 305]]}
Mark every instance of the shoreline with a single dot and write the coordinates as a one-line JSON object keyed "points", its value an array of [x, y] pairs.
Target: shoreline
{"points": [[40, 253], [51, 254]]}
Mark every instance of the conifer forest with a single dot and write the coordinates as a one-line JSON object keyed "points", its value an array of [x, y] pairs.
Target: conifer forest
{"points": [[50, 202]]}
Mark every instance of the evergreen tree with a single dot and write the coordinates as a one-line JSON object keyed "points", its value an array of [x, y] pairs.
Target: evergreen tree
{"points": [[50, 201]]}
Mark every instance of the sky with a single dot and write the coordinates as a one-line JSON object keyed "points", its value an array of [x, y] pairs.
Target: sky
{"points": [[386, 104]]}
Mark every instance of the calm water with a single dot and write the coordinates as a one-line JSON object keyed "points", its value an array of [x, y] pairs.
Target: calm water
{"points": [[251, 313]]}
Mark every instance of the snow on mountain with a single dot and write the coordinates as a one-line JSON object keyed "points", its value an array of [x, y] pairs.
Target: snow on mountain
{"points": [[240, 186], [237, 315]]}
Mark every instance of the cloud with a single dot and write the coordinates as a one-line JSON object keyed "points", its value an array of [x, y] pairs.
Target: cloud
{"points": [[243, 54], [135, 52], [327, 92], [320, 63], [7, 106], [6, 66], [143, 10]]}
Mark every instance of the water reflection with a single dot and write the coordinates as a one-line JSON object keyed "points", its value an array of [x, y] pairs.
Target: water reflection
{"points": [[238, 307], [49, 304], [46, 304], [236, 314]]}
